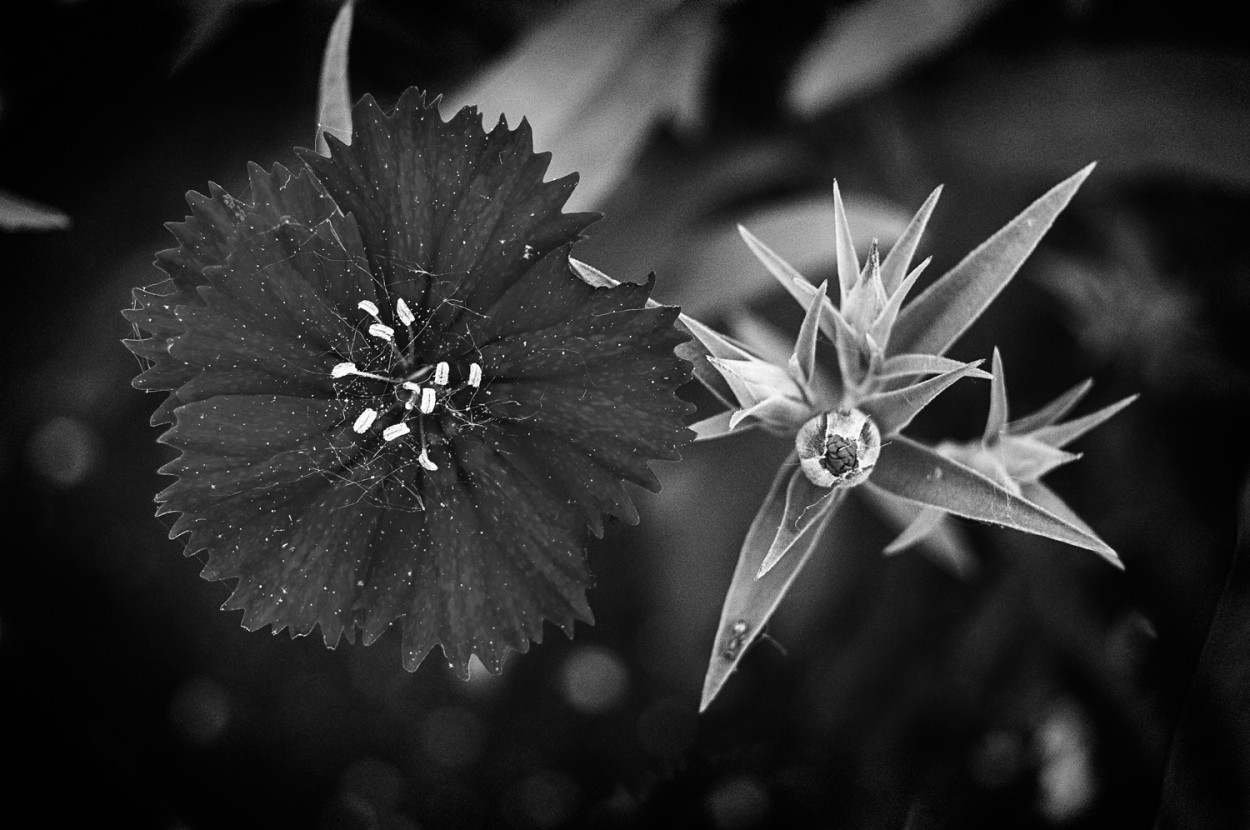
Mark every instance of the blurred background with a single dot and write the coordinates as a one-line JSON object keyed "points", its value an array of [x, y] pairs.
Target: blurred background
{"points": [[1043, 690]]}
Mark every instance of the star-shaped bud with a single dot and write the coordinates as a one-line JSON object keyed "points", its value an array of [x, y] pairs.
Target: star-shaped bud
{"points": [[847, 424], [1016, 454]]}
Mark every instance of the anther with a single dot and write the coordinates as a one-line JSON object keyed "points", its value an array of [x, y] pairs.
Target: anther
{"points": [[365, 420], [441, 373], [428, 398], [424, 460], [382, 331], [368, 308], [411, 387], [405, 313], [475, 375], [395, 431], [342, 370]]}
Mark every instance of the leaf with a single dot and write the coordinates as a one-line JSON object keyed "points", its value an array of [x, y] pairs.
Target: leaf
{"points": [[904, 365], [883, 326], [926, 522], [806, 503], [706, 265], [334, 105], [1027, 459], [1051, 412], [18, 214], [1059, 435], [936, 319], [790, 279], [866, 45], [894, 410], [848, 262], [750, 602], [920, 474], [1048, 499], [760, 379], [776, 410], [944, 543], [586, 79], [996, 422], [898, 261], [716, 426], [803, 361]]}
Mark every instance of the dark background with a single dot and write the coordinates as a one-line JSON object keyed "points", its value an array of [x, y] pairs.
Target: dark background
{"points": [[1046, 691]]}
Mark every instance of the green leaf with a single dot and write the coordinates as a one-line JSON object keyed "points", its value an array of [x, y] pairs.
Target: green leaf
{"points": [[936, 319], [920, 474], [1059, 435], [848, 261], [750, 602], [806, 503], [894, 410], [18, 214], [334, 106], [997, 420], [898, 260], [1051, 412]]}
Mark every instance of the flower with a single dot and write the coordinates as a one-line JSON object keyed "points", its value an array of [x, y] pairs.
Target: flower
{"points": [[847, 425], [394, 402], [1015, 454]]}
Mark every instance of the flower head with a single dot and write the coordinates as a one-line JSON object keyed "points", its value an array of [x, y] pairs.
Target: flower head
{"points": [[393, 399], [1015, 455], [847, 425]]}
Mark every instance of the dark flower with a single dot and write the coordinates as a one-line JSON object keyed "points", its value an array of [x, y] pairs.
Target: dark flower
{"points": [[394, 401]]}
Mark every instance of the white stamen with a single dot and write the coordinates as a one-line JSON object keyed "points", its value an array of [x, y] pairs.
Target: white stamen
{"points": [[411, 387], [424, 460], [428, 399], [475, 375], [382, 332], [405, 313], [441, 372], [342, 370], [368, 308], [395, 431], [365, 421]]}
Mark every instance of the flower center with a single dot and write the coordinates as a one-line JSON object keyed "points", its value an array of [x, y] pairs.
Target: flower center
{"points": [[838, 448], [417, 390], [840, 456]]}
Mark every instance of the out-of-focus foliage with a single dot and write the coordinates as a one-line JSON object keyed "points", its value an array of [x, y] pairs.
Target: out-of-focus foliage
{"points": [[1043, 692], [18, 214]]}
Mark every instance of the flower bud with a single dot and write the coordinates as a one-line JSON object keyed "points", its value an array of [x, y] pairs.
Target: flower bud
{"points": [[838, 448]]}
